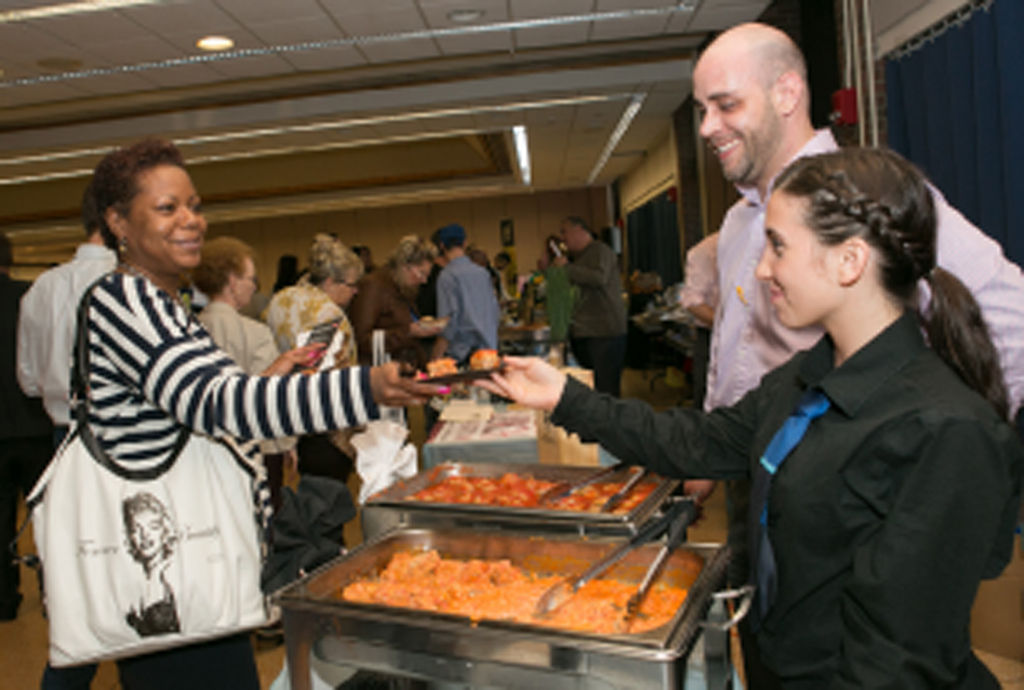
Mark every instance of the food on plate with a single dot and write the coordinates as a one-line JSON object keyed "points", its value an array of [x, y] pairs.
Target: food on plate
{"points": [[498, 590], [522, 491], [485, 359], [442, 367], [435, 323]]}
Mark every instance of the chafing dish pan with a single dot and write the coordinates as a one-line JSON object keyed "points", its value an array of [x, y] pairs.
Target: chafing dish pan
{"points": [[393, 507], [449, 648]]}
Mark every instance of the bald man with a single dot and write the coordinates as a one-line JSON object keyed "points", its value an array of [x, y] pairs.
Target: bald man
{"points": [[751, 88]]}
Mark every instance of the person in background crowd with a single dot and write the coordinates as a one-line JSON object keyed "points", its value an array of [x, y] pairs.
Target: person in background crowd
{"points": [[321, 297], [387, 302], [502, 261], [26, 434], [873, 536], [366, 256], [465, 295], [227, 273], [426, 298], [151, 212], [46, 329], [751, 88], [46, 336], [597, 334], [287, 272], [479, 257], [699, 296]]}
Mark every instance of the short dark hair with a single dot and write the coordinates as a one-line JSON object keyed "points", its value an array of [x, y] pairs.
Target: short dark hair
{"points": [[576, 220], [6, 253], [115, 179], [89, 214]]}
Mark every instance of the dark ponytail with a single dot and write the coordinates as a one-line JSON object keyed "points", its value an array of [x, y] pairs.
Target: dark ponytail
{"points": [[878, 196], [958, 333]]}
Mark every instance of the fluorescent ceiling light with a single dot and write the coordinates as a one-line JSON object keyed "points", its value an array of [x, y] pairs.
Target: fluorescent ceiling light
{"points": [[631, 111], [45, 12], [522, 152], [215, 43], [328, 125]]}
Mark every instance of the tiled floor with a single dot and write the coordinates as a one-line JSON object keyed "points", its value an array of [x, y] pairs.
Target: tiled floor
{"points": [[24, 641]]}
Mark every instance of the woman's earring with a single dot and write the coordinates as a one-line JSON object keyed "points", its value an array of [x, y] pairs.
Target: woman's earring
{"points": [[122, 245]]}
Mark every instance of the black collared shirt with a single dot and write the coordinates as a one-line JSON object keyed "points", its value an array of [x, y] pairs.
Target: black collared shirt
{"points": [[896, 503]]}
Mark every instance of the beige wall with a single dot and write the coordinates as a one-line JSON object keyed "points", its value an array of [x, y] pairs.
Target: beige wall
{"points": [[536, 215], [655, 174]]}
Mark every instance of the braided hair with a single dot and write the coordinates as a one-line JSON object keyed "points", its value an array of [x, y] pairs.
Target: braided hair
{"points": [[878, 196]]}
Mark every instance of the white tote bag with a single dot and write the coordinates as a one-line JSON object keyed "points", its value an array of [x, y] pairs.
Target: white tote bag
{"points": [[139, 561]]}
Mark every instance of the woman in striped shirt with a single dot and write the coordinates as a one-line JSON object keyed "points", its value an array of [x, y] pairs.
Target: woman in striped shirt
{"points": [[154, 369]]}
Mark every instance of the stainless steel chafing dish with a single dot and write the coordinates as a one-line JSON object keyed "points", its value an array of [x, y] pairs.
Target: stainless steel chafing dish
{"points": [[448, 648], [392, 507]]}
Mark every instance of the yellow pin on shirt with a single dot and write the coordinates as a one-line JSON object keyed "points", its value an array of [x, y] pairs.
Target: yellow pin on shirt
{"points": [[743, 298]]}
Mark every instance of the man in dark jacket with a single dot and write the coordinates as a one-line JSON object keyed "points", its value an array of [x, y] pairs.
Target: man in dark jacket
{"points": [[598, 330], [26, 434]]}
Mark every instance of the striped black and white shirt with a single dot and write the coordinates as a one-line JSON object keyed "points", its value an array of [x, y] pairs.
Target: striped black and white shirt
{"points": [[154, 369]]}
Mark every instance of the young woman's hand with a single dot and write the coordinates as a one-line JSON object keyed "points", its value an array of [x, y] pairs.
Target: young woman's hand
{"points": [[529, 381]]}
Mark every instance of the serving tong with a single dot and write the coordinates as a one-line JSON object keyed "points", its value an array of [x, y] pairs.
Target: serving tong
{"points": [[560, 491], [675, 521]]}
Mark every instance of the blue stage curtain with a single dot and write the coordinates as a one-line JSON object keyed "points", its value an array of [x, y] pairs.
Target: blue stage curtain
{"points": [[956, 108], [652, 232]]}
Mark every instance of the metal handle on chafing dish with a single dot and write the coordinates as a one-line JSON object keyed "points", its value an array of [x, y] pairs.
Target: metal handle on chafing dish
{"points": [[746, 596]]}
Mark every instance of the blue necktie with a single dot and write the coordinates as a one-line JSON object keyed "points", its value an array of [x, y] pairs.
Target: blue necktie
{"points": [[812, 404]]}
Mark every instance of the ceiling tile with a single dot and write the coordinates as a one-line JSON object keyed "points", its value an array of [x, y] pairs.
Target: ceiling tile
{"points": [[718, 18], [377, 17], [198, 18], [680, 22], [297, 30], [535, 9], [24, 43], [885, 15], [267, 11], [436, 11], [135, 50], [663, 104], [613, 5], [89, 28], [185, 41], [628, 28], [552, 35]]}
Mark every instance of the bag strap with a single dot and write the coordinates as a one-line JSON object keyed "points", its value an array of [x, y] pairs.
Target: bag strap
{"points": [[80, 402]]}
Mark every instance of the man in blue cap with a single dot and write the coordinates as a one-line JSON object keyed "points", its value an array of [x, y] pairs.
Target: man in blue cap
{"points": [[464, 293]]}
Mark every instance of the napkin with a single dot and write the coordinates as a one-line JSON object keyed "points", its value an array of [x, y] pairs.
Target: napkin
{"points": [[383, 456]]}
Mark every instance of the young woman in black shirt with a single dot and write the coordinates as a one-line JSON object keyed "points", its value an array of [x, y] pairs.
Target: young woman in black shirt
{"points": [[903, 494]]}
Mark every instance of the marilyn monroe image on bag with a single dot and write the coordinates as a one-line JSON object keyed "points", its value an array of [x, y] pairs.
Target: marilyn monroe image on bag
{"points": [[151, 539]]}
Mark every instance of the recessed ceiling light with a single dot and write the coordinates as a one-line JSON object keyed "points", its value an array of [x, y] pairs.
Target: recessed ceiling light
{"points": [[215, 43], [465, 16]]}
